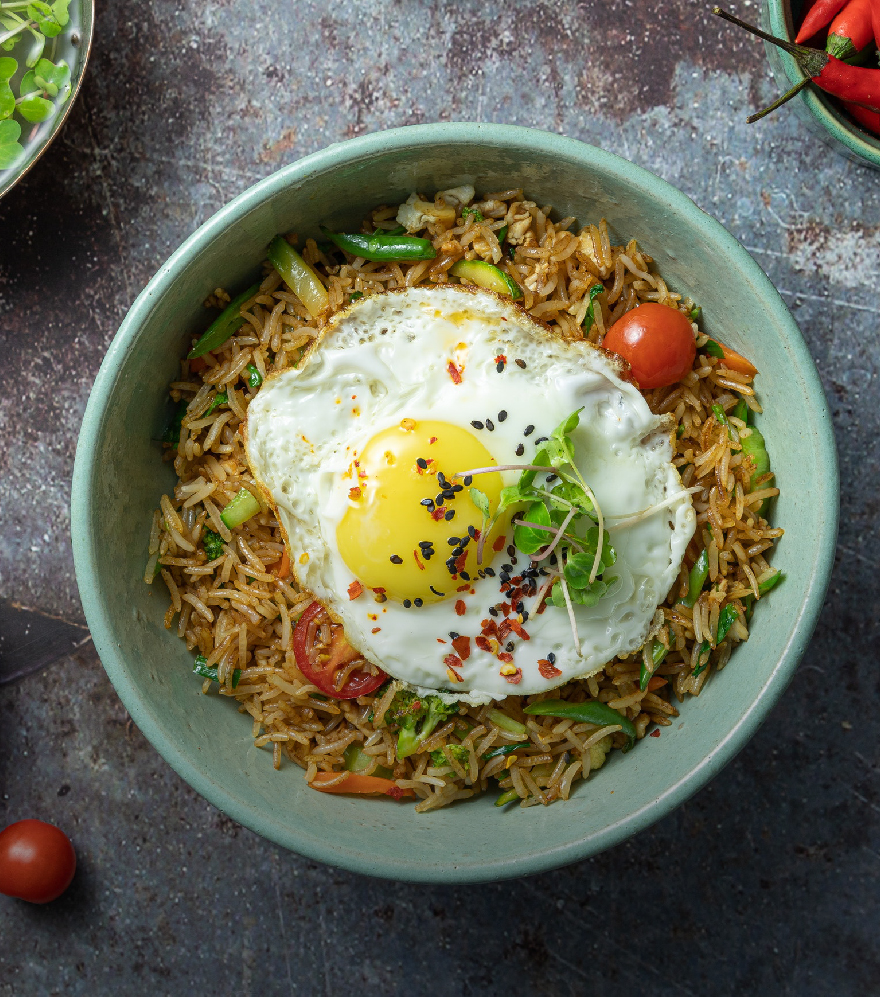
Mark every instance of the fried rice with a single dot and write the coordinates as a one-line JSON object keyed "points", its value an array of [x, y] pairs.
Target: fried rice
{"points": [[238, 610]]}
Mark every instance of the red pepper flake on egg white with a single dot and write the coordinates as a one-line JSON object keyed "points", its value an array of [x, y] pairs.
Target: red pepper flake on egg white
{"points": [[454, 372], [459, 607], [462, 647], [548, 670], [355, 590]]}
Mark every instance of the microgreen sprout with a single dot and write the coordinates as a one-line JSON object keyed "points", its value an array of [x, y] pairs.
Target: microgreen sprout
{"points": [[560, 527]]}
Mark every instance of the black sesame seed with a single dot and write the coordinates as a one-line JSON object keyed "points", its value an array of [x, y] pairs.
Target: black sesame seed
{"points": [[509, 646], [525, 615], [520, 363], [506, 567], [457, 552], [453, 541], [406, 604], [493, 611], [500, 367], [450, 513], [464, 575], [441, 480], [448, 493], [519, 606], [468, 479], [481, 573], [476, 424], [504, 577], [490, 425], [439, 499], [428, 503], [472, 532], [465, 541], [551, 657], [551, 477], [396, 559], [450, 565], [453, 635], [490, 572], [457, 488], [502, 415], [511, 550], [528, 430], [423, 464], [425, 543], [540, 439], [417, 603], [520, 449]]}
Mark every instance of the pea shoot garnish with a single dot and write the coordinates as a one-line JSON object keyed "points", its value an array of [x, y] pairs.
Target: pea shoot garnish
{"points": [[561, 529]]}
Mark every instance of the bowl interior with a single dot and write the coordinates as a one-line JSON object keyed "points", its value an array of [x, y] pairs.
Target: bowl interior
{"points": [[818, 111], [119, 478]]}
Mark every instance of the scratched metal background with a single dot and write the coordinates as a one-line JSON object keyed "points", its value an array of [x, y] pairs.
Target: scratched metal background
{"points": [[765, 883]]}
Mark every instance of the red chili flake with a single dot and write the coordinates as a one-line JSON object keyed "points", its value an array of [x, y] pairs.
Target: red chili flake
{"points": [[501, 358], [440, 640], [547, 670], [375, 630], [438, 513], [490, 629], [453, 372], [355, 589], [499, 543], [432, 440], [462, 646], [517, 628], [452, 661], [354, 493], [464, 588], [379, 591], [483, 643], [505, 657], [504, 629], [514, 679], [418, 562], [654, 733], [395, 792], [459, 607], [461, 562]]}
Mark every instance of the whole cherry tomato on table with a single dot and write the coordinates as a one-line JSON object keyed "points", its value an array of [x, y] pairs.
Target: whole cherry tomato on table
{"points": [[320, 665], [657, 341], [37, 861]]}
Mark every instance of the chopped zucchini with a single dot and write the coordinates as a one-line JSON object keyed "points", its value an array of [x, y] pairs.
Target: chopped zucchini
{"points": [[299, 276], [240, 509], [487, 275]]}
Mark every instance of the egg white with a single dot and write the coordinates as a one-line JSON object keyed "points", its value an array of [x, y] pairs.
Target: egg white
{"points": [[392, 351]]}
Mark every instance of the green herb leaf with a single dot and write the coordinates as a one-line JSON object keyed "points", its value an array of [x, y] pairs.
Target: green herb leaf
{"points": [[540, 459], [10, 148], [480, 500], [8, 67], [52, 79], [528, 539], [35, 109], [7, 100], [254, 377], [726, 619], [713, 349], [221, 398], [590, 317], [47, 20]]}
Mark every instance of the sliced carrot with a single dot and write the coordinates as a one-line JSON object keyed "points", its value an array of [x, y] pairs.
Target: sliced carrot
{"points": [[282, 568], [735, 361], [371, 785], [197, 364], [657, 682]]}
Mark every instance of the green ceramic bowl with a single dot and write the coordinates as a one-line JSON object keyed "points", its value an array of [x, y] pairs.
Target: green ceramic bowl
{"points": [[820, 113], [73, 45], [119, 477]]}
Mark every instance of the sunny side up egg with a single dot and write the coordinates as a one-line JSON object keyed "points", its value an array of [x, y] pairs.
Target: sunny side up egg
{"points": [[359, 448]]}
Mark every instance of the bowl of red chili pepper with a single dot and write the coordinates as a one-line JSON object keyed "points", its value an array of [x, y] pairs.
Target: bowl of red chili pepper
{"points": [[826, 52]]}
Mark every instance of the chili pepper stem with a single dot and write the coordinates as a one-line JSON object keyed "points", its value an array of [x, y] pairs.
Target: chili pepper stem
{"points": [[809, 60], [795, 90]]}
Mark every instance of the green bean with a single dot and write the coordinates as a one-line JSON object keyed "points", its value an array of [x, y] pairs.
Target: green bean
{"points": [[382, 248], [501, 234], [507, 797], [699, 574], [226, 323], [753, 446], [726, 619], [658, 653], [586, 713]]}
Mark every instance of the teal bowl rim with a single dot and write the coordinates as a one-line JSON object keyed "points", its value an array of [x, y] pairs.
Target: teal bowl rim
{"points": [[87, 8], [820, 107], [113, 657]]}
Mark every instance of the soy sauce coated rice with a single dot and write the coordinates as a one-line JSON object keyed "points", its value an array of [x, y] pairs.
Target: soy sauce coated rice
{"points": [[236, 612]]}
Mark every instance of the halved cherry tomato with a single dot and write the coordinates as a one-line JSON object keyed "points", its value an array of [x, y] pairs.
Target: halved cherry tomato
{"points": [[339, 654], [657, 341], [37, 861], [370, 785]]}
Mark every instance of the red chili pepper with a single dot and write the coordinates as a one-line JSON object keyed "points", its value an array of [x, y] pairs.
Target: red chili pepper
{"points": [[853, 83], [851, 30], [867, 119], [819, 17]]}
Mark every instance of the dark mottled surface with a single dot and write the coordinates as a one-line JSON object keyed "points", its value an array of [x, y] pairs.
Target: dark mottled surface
{"points": [[765, 882]]}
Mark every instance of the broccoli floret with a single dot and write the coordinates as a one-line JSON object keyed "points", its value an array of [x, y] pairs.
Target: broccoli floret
{"points": [[417, 717], [213, 544], [458, 751]]}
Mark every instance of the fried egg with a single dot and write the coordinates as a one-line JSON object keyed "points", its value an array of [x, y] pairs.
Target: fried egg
{"points": [[358, 449]]}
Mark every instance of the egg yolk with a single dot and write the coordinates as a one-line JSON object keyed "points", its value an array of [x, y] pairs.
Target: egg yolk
{"points": [[404, 529]]}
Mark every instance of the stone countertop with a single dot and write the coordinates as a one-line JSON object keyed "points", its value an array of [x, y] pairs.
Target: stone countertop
{"points": [[765, 881]]}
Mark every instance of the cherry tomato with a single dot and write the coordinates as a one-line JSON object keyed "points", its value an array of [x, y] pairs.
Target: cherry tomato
{"points": [[339, 654], [37, 861], [657, 341]]}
